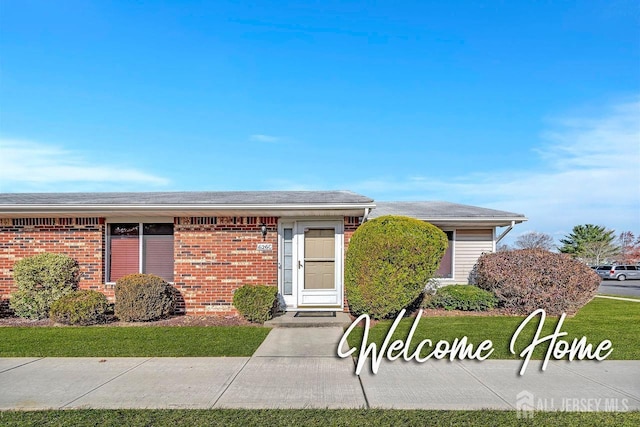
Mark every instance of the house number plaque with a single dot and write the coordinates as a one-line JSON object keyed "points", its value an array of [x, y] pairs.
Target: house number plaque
{"points": [[264, 247]]}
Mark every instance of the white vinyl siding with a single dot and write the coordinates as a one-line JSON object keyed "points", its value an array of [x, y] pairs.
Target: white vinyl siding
{"points": [[470, 244]]}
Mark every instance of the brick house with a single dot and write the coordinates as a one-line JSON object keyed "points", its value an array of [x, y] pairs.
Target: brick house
{"points": [[207, 244]]}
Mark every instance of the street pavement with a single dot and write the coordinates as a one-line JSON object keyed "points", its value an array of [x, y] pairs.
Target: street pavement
{"points": [[630, 288], [298, 368]]}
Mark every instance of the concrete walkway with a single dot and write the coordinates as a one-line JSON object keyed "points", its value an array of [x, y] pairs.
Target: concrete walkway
{"points": [[297, 368]]}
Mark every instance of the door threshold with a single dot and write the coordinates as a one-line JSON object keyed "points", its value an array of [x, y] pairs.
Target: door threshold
{"points": [[316, 308], [315, 313]]}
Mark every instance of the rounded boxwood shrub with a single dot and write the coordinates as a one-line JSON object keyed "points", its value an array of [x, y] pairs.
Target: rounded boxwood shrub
{"points": [[83, 307], [143, 297], [42, 279], [461, 297], [255, 302], [528, 279], [389, 262]]}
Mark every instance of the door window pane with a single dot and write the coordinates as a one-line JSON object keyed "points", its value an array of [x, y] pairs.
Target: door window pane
{"points": [[319, 243], [287, 256], [319, 259], [319, 275]]}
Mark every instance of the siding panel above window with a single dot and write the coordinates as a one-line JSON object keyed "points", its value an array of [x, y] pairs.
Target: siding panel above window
{"points": [[470, 244]]}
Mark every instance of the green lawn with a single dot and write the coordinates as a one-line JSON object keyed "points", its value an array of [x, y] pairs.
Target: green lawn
{"points": [[130, 341], [601, 319], [617, 321], [309, 417]]}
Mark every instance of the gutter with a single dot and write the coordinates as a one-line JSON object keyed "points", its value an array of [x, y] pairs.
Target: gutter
{"points": [[514, 220], [14, 210], [30, 209]]}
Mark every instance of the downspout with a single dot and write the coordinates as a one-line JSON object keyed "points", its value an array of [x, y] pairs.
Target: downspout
{"points": [[366, 215], [505, 232]]}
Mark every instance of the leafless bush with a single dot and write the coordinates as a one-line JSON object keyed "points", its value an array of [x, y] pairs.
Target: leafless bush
{"points": [[529, 279]]}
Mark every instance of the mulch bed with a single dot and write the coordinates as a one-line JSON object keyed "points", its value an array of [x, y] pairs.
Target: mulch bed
{"points": [[438, 312], [171, 321], [186, 320]]}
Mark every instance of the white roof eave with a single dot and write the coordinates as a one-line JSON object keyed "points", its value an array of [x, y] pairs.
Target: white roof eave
{"points": [[475, 221], [30, 210]]}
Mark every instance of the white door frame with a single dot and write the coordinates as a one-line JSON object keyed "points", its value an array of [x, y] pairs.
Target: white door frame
{"points": [[287, 302], [313, 300]]}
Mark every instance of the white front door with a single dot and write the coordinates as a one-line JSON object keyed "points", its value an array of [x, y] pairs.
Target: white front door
{"points": [[311, 265]]}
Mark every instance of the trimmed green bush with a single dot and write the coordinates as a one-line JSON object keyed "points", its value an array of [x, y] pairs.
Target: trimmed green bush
{"points": [[389, 262], [461, 297], [255, 302], [83, 307], [143, 297], [42, 279], [528, 279]]}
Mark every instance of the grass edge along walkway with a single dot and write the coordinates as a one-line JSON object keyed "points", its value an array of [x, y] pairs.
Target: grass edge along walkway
{"points": [[618, 297]]}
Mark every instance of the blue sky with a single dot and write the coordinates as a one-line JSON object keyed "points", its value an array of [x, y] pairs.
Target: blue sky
{"points": [[530, 107]]}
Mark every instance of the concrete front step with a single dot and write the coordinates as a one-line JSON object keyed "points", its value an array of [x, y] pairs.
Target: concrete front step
{"points": [[309, 319]]}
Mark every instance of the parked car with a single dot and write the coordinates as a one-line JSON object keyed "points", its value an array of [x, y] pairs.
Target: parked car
{"points": [[619, 272], [603, 271]]}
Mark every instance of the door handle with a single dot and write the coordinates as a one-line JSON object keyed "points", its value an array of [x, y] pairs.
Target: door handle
{"points": [[299, 264]]}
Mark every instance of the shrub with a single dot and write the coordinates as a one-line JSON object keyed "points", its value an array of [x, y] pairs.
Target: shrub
{"points": [[42, 279], [80, 308], [528, 279], [389, 262], [255, 302], [461, 297], [143, 297]]}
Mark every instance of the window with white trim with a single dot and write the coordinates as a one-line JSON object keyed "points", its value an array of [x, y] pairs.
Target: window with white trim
{"points": [[140, 248]]}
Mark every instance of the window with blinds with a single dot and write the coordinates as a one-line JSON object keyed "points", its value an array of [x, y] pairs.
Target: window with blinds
{"points": [[141, 248]]}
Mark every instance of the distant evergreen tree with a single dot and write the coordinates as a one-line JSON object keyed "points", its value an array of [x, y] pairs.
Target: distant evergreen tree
{"points": [[590, 243]]}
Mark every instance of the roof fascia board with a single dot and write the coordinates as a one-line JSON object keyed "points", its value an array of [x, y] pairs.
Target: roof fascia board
{"points": [[518, 219], [91, 208]]}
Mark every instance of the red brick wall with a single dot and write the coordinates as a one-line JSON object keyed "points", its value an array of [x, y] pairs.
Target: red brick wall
{"points": [[351, 223], [215, 256], [80, 238]]}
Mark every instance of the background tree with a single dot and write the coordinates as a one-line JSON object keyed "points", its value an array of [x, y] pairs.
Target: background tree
{"points": [[534, 240], [629, 248], [503, 247], [595, 253], [590, 243]]}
